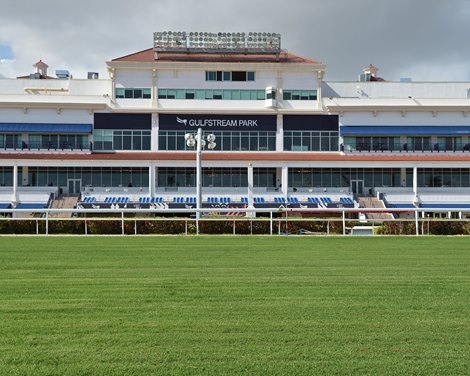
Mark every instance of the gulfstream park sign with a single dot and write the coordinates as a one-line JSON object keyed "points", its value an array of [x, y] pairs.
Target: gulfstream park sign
{"points": [[218, 122]]}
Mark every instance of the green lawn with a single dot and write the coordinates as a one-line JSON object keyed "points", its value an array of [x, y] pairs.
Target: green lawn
{"points": [[234, 305]]}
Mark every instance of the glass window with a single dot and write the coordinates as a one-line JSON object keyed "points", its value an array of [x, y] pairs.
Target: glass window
{"points": [[238, 76], [210, 76], [180, 94], [227, 76], [209, 94], [250, 76], [245, 94], [236, 94], [200, 94], [146, 93], [217, 94], [120, 92], [190, 94]]}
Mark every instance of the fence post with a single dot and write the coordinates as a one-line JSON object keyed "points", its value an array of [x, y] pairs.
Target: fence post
{"points": [[344, 222], [47, 223], [416, 219], [135, 226], [37, 227], [270, 223], [86, 227], [122, 223], [234, 232]]}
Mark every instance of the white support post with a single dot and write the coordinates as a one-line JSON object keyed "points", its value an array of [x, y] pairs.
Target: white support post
{"points": [[14, 198], [284, 180], [198, 177], [415, 180], [250, 190], [151, 180], [416, 222]]}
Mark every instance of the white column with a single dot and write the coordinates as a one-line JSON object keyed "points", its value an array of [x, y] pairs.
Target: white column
{"points": [[154, 133], [284, 180], [279, 133], [151, 179], [250, 184], [14, 199], [415, 180], [198, 172]]}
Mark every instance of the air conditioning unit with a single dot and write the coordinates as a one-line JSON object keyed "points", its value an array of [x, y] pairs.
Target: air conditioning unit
{"points": [[270, 97]]}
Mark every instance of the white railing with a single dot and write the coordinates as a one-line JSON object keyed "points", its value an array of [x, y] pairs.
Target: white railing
{"points": [[277, 219]]}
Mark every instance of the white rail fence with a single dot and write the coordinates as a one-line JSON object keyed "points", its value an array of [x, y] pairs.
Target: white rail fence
{"points": [[336, 221]]}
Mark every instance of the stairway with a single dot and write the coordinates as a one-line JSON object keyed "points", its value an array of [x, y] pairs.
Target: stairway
{"points": [[63, 202], [373, 202]]}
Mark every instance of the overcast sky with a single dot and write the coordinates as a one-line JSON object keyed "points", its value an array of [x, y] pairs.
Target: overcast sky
{"points": [[420, 39]]}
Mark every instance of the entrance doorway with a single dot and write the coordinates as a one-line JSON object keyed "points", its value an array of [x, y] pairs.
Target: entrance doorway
{"points": [[357, 187], [74, 186]]}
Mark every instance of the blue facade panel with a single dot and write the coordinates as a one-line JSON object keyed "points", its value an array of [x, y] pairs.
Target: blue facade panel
{"points": [[408, 130], [45, 128]]}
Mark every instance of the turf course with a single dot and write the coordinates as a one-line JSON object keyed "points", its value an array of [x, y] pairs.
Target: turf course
{"points": [[234, 306]]}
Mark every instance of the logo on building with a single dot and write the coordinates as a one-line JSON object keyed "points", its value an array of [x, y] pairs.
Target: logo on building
{"points": [[218, 123], [182, 121]]}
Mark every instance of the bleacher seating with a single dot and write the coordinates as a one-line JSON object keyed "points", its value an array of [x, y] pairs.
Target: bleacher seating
{"points": [[89, 199], [150, 200], [314, 200]]}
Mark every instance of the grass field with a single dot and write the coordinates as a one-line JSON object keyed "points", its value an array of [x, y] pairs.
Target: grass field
{"points": [[234, 305]]}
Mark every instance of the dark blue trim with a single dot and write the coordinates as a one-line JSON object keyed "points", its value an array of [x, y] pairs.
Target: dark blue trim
{"points": [[418, 130], [45, 128]]}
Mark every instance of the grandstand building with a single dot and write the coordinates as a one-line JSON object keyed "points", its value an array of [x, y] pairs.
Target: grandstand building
{"points": [[283, 135]]}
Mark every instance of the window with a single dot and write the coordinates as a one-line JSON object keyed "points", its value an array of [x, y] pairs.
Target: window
{"points": [[311, 141], [211, 94], [113, 139], [299, 95], [133, 93], [230, 76], [226, 140]]}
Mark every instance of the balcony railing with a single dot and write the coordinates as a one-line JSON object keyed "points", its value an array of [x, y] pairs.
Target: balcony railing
{"points": [[49, 146], [405, 148]]}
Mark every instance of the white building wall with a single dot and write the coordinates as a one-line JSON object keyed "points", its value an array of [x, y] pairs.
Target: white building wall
{"points": [[299, 81], [133, 79], [55, 87], [45, 116], [437, 90]]}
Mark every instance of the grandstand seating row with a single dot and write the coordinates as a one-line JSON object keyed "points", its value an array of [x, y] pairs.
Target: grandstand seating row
{"points": [[213, 200]]}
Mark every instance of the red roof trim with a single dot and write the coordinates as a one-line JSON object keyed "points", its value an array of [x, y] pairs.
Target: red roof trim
{"points": [[149, 57], [235, 156]]}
